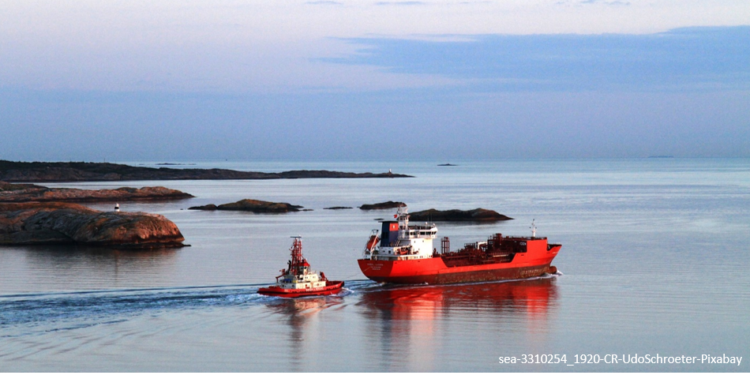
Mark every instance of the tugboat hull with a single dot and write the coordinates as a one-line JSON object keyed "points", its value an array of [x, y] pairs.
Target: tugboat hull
{"points": [[332, 287]]}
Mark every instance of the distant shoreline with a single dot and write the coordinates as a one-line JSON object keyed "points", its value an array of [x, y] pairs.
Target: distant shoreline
{"points": [[14, 171]]}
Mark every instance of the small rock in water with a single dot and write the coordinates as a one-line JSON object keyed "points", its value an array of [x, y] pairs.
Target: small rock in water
{"points": [[382, 206], [251, 205], [477, 214]]}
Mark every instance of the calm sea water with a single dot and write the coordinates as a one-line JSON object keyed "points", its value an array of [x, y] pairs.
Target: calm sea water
{"points": [[654, 261]]}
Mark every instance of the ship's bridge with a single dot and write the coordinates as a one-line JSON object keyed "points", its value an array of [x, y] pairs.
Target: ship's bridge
{"points": [[400, 240], [426, 230]]}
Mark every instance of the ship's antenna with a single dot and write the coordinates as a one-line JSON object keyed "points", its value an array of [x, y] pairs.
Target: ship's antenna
{"points": [[533, 228]]}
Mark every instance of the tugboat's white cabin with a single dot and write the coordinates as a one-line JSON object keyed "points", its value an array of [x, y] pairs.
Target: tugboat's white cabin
{"points": [[401, 241], [298, 274], [304, 280]]}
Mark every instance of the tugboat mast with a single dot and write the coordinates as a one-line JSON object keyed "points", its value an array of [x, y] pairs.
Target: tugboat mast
{"points": [[298, 261]]}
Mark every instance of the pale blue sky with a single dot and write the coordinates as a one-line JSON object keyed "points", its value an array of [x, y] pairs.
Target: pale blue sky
{"points": [[423, 80]]}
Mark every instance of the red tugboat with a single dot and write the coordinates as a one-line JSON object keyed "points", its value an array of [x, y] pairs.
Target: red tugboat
{"points": [[403, 254], [298, 280]]}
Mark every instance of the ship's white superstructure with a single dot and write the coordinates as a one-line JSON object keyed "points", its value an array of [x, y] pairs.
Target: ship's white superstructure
{"points": [[401, 241]]}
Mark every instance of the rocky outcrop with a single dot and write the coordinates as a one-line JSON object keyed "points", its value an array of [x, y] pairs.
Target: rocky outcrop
{"points": [[69, 223], [382, 205], [79, 171], [11, 193], [477, 214], [252, 205], [208, 207], [337, 208]]}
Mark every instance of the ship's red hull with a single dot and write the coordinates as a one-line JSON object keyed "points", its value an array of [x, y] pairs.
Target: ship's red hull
{"points": [[332, 287], [535, 262]]}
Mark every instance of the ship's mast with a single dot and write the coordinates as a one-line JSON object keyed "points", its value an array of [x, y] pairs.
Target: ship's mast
{"points": [[298, 260], [403, 222]]}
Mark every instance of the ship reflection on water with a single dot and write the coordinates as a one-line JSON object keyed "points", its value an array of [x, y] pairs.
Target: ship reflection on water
{"points": [[428, 321], [421, 325], [532, 298]]}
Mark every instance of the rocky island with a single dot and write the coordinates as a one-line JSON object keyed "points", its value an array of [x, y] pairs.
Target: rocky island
{"points": [[10, 193], [251, 205], [69, 223], [477, 214], [14, 171], [382, 206]]}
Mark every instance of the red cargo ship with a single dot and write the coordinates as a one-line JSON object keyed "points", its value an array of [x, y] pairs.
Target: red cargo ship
{"points": [[404, 254]]}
